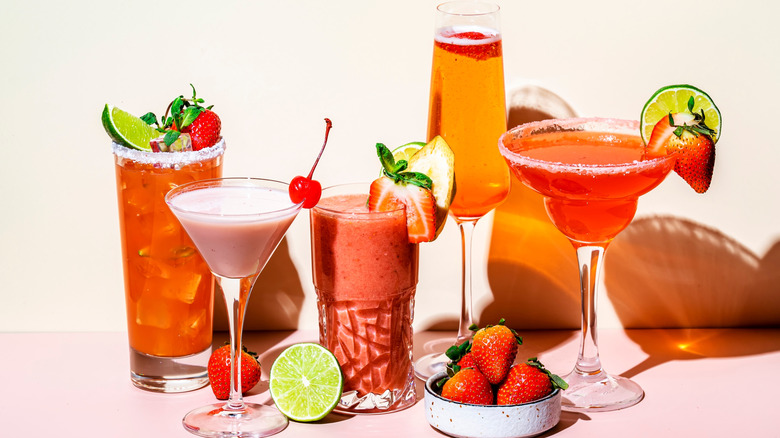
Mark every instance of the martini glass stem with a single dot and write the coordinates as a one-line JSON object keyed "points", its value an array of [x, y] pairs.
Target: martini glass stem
{"points": [[236, 293], [466, 317], [589, 259]]}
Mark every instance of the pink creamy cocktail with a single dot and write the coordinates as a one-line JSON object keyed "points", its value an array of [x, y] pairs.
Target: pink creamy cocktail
{"points": [[221, 222], [365, 274]]}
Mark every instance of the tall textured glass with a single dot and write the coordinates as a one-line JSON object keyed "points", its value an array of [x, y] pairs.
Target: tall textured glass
{"points": [[467, 107], [365, 274], [591, 173], [169, 290]]}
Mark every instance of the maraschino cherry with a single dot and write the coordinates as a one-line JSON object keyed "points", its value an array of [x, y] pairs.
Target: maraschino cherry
{"points": [[304, 188]]}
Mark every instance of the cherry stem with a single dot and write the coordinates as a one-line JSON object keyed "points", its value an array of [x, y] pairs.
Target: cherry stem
{"points": [[329, 125]]}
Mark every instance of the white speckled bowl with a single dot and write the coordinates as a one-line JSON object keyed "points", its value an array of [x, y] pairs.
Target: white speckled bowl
{"points": [[481, 421]]}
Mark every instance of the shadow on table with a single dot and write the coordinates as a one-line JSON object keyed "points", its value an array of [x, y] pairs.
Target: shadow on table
{"points": [[689, 277]]}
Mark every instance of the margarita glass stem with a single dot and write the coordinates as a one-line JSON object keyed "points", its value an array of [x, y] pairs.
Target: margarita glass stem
{"points": [[236, 293], [589, 259], [466, 316]]}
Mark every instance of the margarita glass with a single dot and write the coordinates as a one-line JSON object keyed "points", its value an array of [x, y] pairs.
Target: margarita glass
{"points": [[591, 173], [236, 223], [467, 108]]}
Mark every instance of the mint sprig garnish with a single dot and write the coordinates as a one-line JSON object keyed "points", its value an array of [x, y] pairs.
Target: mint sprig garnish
{"points": [[183, 111], [397, 170]]}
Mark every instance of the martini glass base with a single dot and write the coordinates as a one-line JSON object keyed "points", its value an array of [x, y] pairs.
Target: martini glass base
{"points": [[599, 392], [253, 421]]}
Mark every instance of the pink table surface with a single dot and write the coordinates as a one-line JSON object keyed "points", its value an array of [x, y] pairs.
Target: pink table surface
{"points": [[697, 382]]}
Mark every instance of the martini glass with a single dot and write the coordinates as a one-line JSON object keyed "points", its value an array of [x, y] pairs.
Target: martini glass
{"points": [[467, 107], [236, 223], [591, 173]]}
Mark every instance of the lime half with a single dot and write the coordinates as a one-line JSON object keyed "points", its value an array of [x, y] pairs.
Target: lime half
{"points": [[674, 99], [127, 129], [306, 382], [404, 152]]}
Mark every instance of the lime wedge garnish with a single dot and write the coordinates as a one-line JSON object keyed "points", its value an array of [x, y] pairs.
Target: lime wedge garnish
{"points": [[674, 99], [127, 129], [306, 382], [404, 152]]}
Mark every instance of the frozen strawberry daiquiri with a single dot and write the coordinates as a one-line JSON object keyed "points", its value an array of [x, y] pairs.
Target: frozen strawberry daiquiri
{"points": [[365, 274]]}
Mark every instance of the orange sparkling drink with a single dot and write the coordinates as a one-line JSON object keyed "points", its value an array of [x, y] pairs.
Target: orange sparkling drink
{"points": [[169, 288], [467, 107]]}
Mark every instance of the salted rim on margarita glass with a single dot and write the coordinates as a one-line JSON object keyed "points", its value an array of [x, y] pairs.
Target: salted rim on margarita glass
{"points": [[169, 159], [220, 183], [597, 125]]}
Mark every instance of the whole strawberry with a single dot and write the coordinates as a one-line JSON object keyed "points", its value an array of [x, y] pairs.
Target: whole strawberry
{"points": [[687, 135], [204, 130], [527, 382], [468, 386], [219, 371], [494, 349]]}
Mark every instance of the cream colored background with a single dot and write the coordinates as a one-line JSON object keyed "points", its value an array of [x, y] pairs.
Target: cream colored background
{"points": [[274, 70]]}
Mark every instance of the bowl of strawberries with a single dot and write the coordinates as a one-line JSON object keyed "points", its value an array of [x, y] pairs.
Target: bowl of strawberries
{"points": [[484, 393]]}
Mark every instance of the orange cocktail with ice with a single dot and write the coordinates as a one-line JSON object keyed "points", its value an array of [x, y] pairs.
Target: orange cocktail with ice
{"points": [[169, 289], [591, 173]]}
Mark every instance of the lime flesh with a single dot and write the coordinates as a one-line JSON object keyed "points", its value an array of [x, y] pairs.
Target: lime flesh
{"points": [[306, 382], [126, 129], [674, 99]]}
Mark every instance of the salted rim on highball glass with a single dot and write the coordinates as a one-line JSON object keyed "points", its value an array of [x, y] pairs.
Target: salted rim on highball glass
{"points": [[169, 159]]}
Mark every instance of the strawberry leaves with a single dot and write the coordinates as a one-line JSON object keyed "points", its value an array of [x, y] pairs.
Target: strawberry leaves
{"points": [[696, 127], [557, 381], [397, 170], [183, 111]]}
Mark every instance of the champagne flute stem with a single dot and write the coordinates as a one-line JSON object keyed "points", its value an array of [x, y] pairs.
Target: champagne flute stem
{"points": [[589, 259], [466, 318], [236, 293]]}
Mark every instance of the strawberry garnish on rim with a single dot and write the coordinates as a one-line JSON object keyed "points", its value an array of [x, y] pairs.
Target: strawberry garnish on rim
{"points": [[687, 135], [411, 191]]}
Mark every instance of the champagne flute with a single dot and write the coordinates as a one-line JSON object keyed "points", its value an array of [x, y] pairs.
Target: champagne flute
{"points": [[467, 108], [236, 223]]}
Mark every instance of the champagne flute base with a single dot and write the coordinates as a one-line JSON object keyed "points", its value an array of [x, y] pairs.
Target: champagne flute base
{"points": [[429, 365], [251, 421], [599, 392]]}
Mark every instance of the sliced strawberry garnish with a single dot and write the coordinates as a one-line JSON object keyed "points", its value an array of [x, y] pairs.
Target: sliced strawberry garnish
{"points": [[386, 195], [686, 135], [410, 190]]}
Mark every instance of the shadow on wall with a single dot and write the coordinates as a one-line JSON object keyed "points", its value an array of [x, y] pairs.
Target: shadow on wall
{"points": [[670, 272], [532, 267], [276, 299], [660, 272]]}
